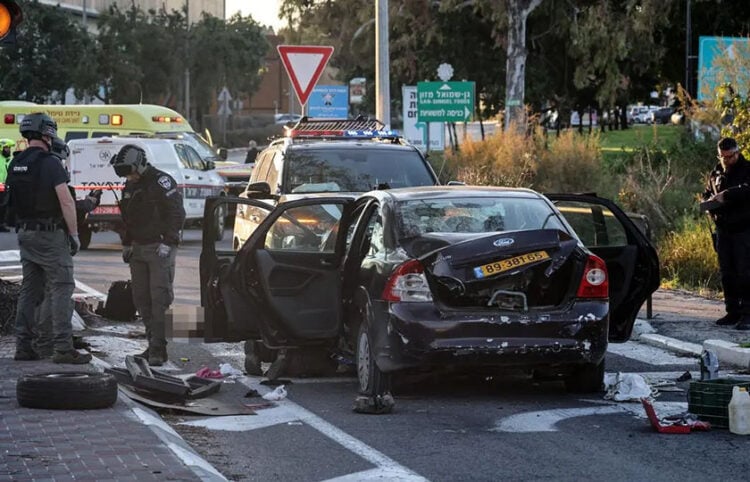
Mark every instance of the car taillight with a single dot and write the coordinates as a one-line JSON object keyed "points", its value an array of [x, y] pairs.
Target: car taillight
{"points": [[595, 281], [407, 283]]}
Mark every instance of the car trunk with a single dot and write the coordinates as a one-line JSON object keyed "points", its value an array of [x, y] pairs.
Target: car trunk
{"points": [[515, 271]]}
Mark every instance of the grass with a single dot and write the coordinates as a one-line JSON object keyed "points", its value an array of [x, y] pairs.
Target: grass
{"points": [[614, 143]]}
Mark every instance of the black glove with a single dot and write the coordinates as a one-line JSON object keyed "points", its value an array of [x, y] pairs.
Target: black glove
{"points": [[75, 244], [96, 194]]}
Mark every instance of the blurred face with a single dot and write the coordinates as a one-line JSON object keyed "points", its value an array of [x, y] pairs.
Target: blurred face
{"points": [[728, 158]]}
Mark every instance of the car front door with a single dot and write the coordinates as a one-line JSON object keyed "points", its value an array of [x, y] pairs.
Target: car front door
{"points": [[632, 262], [284, 284]]}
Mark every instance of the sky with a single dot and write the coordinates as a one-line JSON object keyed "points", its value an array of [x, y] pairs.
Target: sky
{"points": [[264, 12]]}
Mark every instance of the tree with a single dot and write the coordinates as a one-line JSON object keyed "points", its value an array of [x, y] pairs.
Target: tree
{"points": [[225, 53], [45, 62]]}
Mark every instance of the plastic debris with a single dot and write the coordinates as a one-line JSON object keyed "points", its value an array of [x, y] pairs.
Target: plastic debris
{"points": [[379, 404], [206, 372], [683, 423], [279, 393], [627, 387], [685, 377], [709, 365], [229, 371]]}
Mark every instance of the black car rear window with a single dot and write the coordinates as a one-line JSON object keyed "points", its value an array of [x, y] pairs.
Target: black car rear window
{"points": [[355, 170]]}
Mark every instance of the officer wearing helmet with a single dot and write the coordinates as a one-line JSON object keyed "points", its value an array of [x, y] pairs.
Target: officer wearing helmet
{"points": [[42, 342], [43, 212], [6, 153], [153, 214]]}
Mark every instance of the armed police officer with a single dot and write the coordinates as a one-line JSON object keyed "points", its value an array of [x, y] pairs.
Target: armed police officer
{"points": [[43, 212], [42, 342], [727, 198], [153, 214]]}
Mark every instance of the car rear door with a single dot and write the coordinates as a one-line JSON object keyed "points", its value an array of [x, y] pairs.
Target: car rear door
{"points": [[632, 262], [283, 285]]}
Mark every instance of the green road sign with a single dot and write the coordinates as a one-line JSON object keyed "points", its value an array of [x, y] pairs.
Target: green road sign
{"points": [[445, 101]]}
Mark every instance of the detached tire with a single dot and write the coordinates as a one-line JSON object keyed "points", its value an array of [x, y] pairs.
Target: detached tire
{"points": [[67, 391]]}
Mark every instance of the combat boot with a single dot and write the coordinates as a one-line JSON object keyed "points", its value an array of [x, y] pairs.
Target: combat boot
{"points": [[157, 356], [71, 357], [743, 323], [25, 354], [728, 320]]}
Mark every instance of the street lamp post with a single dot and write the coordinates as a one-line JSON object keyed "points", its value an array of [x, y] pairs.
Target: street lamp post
{"points": [[187, 61], [382, 65], [687, 47]]}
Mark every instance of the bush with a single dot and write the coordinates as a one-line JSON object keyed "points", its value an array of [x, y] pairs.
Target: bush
{"points": [[688, 259], [571, 163]]}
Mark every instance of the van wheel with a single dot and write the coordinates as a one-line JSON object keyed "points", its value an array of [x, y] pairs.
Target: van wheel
{"points": [[84, 236]]}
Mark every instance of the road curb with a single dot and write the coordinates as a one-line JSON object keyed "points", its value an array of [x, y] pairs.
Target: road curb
{"points": [[729, 353], [671, 344]]}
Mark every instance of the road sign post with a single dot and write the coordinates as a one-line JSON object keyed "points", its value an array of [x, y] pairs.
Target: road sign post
{"points": [[445, 101], [304, 64]]}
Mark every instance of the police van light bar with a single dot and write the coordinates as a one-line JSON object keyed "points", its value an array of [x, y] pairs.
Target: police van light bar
{"points": [[9, 119], [360, 134]]}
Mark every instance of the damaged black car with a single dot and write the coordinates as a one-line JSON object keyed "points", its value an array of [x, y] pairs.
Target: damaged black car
{"points": [[433, 277]]}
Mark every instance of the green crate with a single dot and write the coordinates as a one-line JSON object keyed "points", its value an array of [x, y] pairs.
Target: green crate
{"points": [[709, 399]]}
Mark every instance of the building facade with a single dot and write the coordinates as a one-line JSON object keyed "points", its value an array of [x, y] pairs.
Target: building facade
{"points": [[196, 8]]}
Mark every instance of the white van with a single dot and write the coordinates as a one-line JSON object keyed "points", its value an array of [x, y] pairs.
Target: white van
{"points": [[90, 169]]}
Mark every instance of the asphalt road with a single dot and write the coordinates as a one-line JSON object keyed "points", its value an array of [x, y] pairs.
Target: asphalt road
{"points": [[444, 428]]}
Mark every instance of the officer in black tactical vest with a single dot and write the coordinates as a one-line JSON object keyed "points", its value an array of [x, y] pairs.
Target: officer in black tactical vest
{"points": [[43, 212], [42, 342], [153, 213]]}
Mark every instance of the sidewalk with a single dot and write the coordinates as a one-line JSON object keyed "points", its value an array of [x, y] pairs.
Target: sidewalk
{"points": [[117, 443], [685, 323]]}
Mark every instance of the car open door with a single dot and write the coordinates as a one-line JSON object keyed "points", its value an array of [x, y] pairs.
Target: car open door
{"points": [[632, 262], [228, 311], [286, 275]]}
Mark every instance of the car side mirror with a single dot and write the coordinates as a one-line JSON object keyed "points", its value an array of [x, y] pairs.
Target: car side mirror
{"points": [[261, 186], [223, 153], [209, 165]]}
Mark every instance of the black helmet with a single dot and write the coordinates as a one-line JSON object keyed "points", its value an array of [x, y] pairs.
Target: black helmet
{"points": [[38, 124], [130, 160], [60, 148]]}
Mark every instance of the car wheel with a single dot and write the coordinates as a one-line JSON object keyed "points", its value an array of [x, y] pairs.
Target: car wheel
{"points": [[84, 236], [67, 391], [372, 382], [588, 378]]}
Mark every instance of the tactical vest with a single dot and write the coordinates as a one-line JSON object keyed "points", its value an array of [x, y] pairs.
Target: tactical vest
{"points": [[27, 199]]}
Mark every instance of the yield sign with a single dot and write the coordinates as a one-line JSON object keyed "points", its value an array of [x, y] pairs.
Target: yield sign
{"points": [[304, 64]]}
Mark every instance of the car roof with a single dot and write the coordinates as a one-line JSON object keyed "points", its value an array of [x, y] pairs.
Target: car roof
{"points": [[435, 192]]}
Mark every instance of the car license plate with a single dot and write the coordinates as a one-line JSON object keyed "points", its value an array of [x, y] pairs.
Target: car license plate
{"points": [[498, 267]]}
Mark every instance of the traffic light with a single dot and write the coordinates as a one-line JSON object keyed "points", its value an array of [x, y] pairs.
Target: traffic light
{"points": [[10, 17]]}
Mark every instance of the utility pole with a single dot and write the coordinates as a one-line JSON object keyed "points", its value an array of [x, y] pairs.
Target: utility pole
{"points": [[187, 61], [688, 49], [83, 16], [382, 65]]}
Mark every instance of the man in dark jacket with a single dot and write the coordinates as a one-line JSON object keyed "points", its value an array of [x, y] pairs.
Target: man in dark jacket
{"points": [[153, 214], [727, 199]]}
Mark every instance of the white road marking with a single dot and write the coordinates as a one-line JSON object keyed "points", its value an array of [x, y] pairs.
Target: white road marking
{"points": [[547, 420], [289, 412], [649, 354]]}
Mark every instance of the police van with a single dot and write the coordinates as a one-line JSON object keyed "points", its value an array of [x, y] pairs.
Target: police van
{"points": [[90, 169]]}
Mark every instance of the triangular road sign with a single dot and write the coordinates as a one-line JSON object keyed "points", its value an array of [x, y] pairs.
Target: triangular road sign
{"points": [[304, 64]]}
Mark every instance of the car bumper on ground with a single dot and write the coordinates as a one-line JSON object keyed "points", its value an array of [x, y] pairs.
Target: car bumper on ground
{"points": [[419, 335]]}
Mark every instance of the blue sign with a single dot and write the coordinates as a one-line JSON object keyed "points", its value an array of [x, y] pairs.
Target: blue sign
{"points": [[714, 55], [329, 102]]}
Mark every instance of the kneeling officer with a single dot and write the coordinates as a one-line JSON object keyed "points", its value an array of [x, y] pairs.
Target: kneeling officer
{"points": [[153, 213]]}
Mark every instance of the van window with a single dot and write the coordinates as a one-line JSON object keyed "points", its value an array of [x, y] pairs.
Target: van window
{"points": [[183, 156], [104, 134], [273, 172], [194, 158], [70, 135], [261, 168]]}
